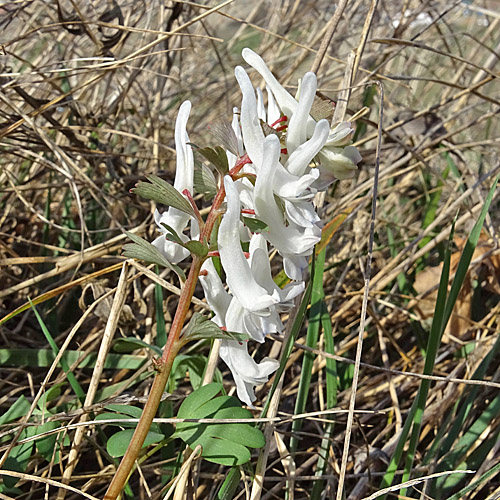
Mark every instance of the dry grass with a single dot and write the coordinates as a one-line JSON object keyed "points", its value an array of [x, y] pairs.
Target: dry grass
{"points": [[89, 95]]}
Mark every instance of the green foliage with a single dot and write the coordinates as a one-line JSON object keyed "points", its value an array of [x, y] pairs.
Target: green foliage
{"points": [[204, 181], [227, 443], [444, 306], [118, 443], [45, 357], [64, 364], [255, 225], [143, 250], [162, 192], [193, 364], [217, 157], [200, 327], [129, 344]]}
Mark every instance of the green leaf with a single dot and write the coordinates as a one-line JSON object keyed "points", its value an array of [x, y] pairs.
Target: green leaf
{"points": [[117, 444], [49, 395], [143, 250], [217, 157], [43, 358], [228, 488], [172, 234], [227, 443], [255, 225], [196, 248], [162, 192], [20, 408], [204, 181], [128, 410], [129, 344], [46, 445], [200, 327], [194, 364], [117, 416]]}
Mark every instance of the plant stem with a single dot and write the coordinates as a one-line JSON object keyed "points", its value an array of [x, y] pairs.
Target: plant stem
{"points": [[164, 367], [164, 364]]}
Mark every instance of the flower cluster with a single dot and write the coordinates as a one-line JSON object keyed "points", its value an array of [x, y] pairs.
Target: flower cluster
{"points": [[289, 157]]}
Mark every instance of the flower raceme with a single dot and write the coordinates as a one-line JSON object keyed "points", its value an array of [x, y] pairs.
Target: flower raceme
{"points": [[282, 158]]}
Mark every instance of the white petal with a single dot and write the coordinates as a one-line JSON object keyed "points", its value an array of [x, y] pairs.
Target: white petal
{"points": [[217, 297], [340, 162], [184, 152], [285, 100], [238, 273], [287, 239], [297, 125], [294, 266], [301, 213], [246, 372], [253, 136], [235, 124], [299, 160], [173, 252], [273, 111], [261, 268], [176, 219], [261, 110], [340, 135], [291, 186]]}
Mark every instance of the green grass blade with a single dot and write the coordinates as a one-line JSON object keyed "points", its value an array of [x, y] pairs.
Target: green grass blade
{"points": [[43, 358], [487, 475], [331, 401], [161, 332], [228, 487], [453, 433], [312, 336], [287, 350], [64, 364], [443, 310], [466, 442], [467, 253]]}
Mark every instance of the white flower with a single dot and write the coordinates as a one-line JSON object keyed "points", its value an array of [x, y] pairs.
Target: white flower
{"points": [[174, 218], [230, 313], [239, 276], [215, 293], [292, 241], [336, 163], [253, 136], [261, 268], [246, 371]]}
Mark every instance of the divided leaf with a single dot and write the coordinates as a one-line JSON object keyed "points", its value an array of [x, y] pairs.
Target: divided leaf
{"points": [[224, 443], [200, 327], [143, 250], [217, 157], [195, 247], [204, 181], [162, 192]]}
